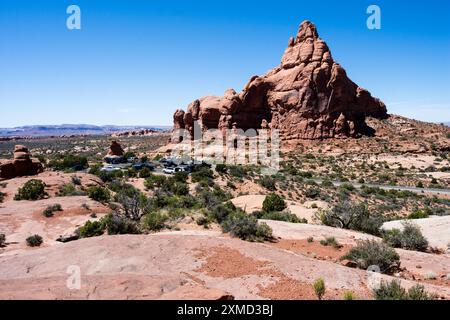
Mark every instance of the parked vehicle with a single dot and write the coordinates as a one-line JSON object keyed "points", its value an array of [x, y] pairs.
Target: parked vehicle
{"points": [[170, 170], [140, 166], [110, 169]]}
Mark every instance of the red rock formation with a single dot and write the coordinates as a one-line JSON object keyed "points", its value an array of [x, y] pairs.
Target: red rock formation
{"points": [[308, 96], [21, 165], [115, 150]]}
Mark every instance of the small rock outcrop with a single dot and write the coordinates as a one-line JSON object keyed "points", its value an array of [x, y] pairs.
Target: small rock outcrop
{"points": [[21, 165], [308, 96], [115, 150]]}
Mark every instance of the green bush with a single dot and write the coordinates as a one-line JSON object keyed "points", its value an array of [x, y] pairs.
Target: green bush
{"points": [[70, 190], [34, 241], [69, 161], [121, 225], [280, 216], [273, 202], [221, 168], [268, 183], [348, 295], [419, 214], [352, 216], [394, 291], [221, 211], [92, 229], [373, 253], [331, 241], [145, 173], [246, 227], [312, 192], [154, 181], [201, 173], [155, 221], [50, 210], [99, 194], [180, 176], [31, 190], [410, 238], [319, 288]]}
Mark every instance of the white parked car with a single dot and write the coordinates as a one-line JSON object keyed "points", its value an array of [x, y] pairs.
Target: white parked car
{"points": [[169, 170]]}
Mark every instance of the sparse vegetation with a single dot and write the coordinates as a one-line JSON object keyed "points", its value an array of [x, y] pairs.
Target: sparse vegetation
{"points": [[246, 227], [394, 291], [409, 238], [319, 288], [354, 216], [373, 253], [32, 190], [50, 210], [331, 241], [2, 239], [273, 202], [34, 241], [99, 194]]}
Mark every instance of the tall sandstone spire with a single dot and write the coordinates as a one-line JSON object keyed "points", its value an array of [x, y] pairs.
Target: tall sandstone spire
{"points": [[308, 96]]}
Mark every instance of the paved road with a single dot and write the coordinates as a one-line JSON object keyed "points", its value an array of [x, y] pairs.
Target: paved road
{"points": [[387, 187]]}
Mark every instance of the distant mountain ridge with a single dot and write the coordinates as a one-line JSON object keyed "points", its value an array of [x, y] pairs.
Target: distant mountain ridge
{"points": [[71, 129]]}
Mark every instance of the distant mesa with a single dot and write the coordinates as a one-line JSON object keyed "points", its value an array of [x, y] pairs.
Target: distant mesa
{"points": [[21, 165], [308, 96]]}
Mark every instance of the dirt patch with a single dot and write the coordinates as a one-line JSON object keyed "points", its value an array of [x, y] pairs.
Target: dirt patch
{"points": [[314, 249], [223, 262], [290, 289]]}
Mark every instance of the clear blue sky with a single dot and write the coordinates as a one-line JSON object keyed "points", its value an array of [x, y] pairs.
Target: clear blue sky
{"points": [[135, 62]]}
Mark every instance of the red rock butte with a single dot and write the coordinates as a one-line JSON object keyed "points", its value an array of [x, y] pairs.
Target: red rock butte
{"points": [[308, 96], [21, 165]]}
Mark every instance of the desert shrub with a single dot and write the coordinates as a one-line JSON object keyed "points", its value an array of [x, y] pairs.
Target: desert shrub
{"points": [[221, 168], [410, 238], [373, 253], [31, 190], [273, 202], [180, 176], [34, 240], [201, 173], [268, 183], [69, 190], [419, 214], [310, 239], [50, 210], [347, 186], [419, 184], [2, 239], [246, 227], [237, 171], [92, 228], [154, 181], [2, 196], [179, 188], [312, 192], [155, 221], [394, 291], [327, 183], [221, 211], [281, 216], [352, 216], [330, 241], [319, 288], [145, 173], [121, 225], [69, 161], [99, 194], [348, 295]]}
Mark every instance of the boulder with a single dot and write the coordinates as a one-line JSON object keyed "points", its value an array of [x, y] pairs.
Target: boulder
{"points": [[115, 150], [308, 96], [21, 165]]}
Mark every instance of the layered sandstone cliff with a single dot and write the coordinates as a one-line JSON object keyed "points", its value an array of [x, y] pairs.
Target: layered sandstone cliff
{"points": [[308, 96]]}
